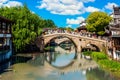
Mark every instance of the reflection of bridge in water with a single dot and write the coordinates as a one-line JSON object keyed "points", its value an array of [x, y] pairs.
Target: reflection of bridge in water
{"points": [[61, 50], [80, 63], [76, 65]]}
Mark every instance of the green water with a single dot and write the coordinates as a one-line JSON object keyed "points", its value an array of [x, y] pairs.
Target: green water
{"points": [[57, 65]]}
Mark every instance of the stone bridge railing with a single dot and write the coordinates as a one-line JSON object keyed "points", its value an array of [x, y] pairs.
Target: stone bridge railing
{"points": [[77, 34]]}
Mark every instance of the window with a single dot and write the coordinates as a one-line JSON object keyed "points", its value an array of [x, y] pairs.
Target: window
{"points": [[4, 27], [8, 28], [0, 27], [1, 41]]}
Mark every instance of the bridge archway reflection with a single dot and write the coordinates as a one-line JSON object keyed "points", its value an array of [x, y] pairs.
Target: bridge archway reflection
{"points": [[60, 54]]}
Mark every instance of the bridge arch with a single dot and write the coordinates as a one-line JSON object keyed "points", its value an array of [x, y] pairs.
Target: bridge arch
{"points": [[79, 41], [62, 36], [74, 40], [91, 47], [75, 45], [95, 46]]}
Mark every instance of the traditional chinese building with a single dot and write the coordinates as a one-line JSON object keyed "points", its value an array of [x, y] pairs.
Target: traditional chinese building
{"points": [[5, 39], [115, 33], [82, 27]]}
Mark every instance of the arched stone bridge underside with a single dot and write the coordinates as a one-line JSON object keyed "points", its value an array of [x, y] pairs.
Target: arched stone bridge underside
{"points": [[79, 41]]}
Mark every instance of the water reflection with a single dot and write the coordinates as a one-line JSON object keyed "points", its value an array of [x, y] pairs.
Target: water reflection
{"points": [[4, 66], [60, 57], [37, 60], [39, 69], [60, 64], [98, 74], [61, 54]]}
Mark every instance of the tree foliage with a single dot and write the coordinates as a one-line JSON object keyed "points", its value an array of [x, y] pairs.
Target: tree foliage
{"points": [[66, 28], [27, 25], [97, 21]]}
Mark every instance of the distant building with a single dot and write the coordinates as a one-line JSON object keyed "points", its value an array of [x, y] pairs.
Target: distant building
{"points": [[82, 27], [5, 39], [114, 27]]}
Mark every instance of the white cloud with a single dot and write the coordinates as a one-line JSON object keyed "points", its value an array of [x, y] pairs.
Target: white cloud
{"points": [[110, 6], [78, 20], [8, 3], [91, 9], [68, 1], [69, 26], [13, 4], [87, 1], [32, 12], [3, 1], [64, 7]]}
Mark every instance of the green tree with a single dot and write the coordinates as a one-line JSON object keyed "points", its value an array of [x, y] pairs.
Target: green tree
{"points": [[49, 23], [69, 29], [97, 21], [27, 25]]}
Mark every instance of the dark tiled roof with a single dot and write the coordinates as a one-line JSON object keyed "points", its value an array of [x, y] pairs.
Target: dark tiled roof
{"points": [[116, 10], [4, 19], [82, 28]]}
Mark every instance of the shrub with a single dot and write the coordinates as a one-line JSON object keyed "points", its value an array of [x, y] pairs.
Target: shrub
{"points": [[105, 63], [98, 56], [87, 53], [109, 64]]}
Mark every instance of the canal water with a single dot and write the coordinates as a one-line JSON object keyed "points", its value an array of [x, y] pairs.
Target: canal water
{"points": [[57, 64]]}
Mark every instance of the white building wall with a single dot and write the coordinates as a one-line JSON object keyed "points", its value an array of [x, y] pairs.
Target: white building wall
{"points": [[114, 55], [5, 35]]}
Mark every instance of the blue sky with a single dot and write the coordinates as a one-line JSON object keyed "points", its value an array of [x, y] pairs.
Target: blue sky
{"points": [[65, 13]]}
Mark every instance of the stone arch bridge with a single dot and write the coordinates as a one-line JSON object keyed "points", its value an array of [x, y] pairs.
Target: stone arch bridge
{"points": [[79, 41]]}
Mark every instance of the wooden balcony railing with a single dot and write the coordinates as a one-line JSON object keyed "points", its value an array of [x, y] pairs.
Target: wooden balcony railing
{"points": [[5, 32]]}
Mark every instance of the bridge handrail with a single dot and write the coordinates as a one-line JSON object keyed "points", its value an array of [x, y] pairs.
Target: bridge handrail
{"points": [[76, 35]]}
